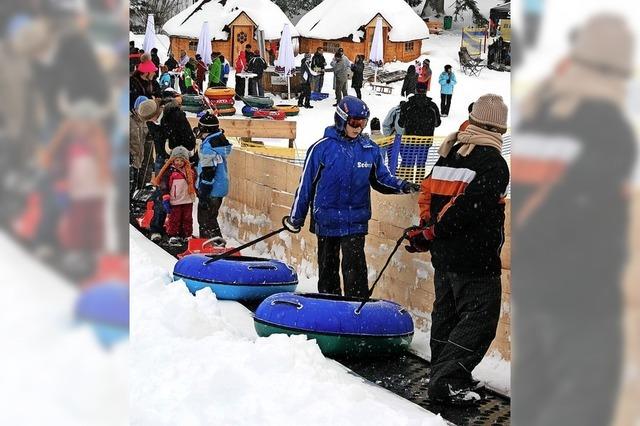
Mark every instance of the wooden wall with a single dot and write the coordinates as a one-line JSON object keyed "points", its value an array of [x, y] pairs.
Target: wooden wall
{"points": [[261, 193], [392, 51], [182, 43]]}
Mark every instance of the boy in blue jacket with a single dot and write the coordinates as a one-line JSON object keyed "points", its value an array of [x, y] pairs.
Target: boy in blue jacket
{"points": [[335, 185], [213, 178]]}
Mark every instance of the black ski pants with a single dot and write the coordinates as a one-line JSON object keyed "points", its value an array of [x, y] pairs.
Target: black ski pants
{"points": [[208, 208], [305, 94], [445, 103], [463, 324], [354, 265]]}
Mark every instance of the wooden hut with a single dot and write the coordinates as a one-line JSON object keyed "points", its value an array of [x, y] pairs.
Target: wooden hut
{"points": [[233, 24], [350, 25]]}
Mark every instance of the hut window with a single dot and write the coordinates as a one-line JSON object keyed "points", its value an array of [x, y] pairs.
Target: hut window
{"points": [[330, 46], [193, 45], [408, 46], [241, 37]]}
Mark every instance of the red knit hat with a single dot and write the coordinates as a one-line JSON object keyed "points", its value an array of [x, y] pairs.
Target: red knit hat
{"points": [[147, 66]]}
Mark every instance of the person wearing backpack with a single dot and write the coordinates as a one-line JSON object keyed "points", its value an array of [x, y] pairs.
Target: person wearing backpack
{"points": [[226, 68], [257, 65], [419, 116], [304, 100]]}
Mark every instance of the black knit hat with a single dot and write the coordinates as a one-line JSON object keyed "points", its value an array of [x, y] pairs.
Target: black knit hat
{"points": [[208, 122]]}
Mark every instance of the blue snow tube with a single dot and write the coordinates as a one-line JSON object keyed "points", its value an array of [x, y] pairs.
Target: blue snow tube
{"points": [[236, 277], [106, 308], [380, 327]]}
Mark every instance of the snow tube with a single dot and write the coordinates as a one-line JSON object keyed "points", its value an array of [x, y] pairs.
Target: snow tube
{"points": [[226, 111], [258, 101], [221, 101], [206, 246], [255, 112], [236, 277], [289, 110], [220, 92], [106, 308], [380, 327], [192, 100], [318, 96]]}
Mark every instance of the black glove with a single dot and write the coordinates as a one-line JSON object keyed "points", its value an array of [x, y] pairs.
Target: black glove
{"points": [[292, 225], [410, 187]]}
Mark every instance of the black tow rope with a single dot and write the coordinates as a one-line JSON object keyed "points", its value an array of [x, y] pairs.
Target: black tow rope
{"points": [[214, 257], [404, 235]]}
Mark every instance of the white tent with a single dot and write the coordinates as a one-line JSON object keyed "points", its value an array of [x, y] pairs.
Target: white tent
{"points": [[286, 57], [376, 56], [204, 43], [149, 35]]}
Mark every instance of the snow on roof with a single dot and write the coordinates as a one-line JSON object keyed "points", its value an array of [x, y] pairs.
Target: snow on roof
{"points": [[334, 19], [219, 13]]}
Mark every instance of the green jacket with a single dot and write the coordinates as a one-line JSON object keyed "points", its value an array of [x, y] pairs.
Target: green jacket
{"points": [[188, 82], [215, 69]]}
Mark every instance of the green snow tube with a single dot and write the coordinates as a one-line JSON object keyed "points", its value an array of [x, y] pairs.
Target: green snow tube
{"points": [[258, 101]]}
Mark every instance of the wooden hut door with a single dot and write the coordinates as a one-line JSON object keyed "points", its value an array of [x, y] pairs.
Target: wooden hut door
{"points": [[241, 36]]}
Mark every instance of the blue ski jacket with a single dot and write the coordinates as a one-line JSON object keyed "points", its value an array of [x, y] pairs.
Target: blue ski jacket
{"points": [[212, 164], [335, 184]]}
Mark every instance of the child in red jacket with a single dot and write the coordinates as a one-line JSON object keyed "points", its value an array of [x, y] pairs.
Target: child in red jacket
{"points": [[176, 181]]}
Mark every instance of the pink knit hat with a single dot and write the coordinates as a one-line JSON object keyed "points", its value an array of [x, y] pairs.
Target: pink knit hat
{"points": [[489, 109], [147, 66]]}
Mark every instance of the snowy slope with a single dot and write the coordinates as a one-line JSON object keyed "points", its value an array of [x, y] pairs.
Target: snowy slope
{"points": [[197, 360], [53, 371], [329, 20]]}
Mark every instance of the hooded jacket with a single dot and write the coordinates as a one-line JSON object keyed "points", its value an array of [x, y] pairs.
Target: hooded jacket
{"points": [[335, 184], [212, 165], [176, 127]]}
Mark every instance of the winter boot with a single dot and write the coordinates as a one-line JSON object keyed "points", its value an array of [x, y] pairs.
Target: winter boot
{"points": [[156, 237]]}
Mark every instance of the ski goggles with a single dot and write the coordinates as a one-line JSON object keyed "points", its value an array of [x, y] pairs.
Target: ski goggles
{"points": [[356, 122]]}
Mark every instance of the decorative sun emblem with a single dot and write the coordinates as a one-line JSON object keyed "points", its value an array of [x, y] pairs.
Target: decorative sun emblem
{"points": [[241, 37]]}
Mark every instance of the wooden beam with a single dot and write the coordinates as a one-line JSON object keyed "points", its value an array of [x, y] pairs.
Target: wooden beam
{"points": [[234, 127]]}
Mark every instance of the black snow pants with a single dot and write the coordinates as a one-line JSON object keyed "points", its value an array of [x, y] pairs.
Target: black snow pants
{"points": [[354, 265], [208, 208], [463, 324]]}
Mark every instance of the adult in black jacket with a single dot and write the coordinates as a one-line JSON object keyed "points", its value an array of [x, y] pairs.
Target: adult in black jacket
{"points": [[171, 63], [358, 75], [318, 64], [176, 126], [257, 65], [569, 286], [155, 58], [462, 212], [410, 80], [419, 116], [142, 82], [307, 77]]}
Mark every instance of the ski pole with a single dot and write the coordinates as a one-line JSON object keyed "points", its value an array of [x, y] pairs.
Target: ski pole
{"points": [[214, 257], [404, 235]]}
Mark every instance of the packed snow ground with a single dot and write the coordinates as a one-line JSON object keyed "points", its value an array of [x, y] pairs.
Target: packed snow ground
{"points": [[197, 360]]}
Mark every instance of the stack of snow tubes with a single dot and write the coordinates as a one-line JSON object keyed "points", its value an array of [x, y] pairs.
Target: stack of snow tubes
{"points": [[193, 103], [336, 323], [222, 99], [236, 277], [289, 110]]}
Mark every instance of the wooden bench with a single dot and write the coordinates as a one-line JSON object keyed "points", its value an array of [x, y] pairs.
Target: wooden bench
{"points": [[381, 88], [255, 128]]}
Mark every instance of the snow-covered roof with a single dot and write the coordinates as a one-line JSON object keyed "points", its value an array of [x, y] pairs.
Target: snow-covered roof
{"points": [[267, 16], [334, 19]]}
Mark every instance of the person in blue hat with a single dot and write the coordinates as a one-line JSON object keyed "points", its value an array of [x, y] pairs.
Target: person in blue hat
{"points": [[339, 172]]}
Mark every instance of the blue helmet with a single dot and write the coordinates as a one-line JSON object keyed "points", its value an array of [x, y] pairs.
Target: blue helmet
{"points": [[349, 106]]}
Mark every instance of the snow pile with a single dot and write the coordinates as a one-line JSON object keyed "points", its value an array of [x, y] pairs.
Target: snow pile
{"points": [[55, 371], [264, 13], [334, 19], [197, 360]]}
